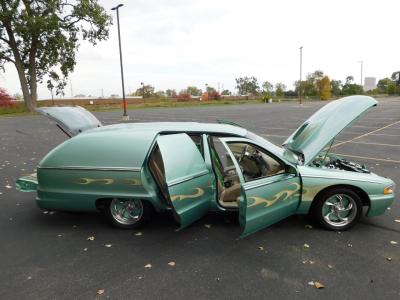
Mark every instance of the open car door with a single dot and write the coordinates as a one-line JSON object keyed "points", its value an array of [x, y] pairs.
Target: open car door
{"points": [[267, 199], [188, 180], [72, 120]]}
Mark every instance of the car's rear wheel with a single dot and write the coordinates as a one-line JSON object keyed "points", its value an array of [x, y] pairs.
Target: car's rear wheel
{"points": [[337, 209], [127, 213]]}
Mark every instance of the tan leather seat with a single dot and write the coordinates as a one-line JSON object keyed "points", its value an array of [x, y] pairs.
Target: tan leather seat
{"points": [[230, 195]]}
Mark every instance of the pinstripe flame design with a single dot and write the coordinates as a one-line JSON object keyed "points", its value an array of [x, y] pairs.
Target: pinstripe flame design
{"points": [[199, 193], [105, 181], [133, 181], [280, 196]]}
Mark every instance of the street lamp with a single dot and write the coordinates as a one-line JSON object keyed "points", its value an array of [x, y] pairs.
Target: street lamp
{"points": [[361, 79], [125, 116], [301, 66], [142, 84]]}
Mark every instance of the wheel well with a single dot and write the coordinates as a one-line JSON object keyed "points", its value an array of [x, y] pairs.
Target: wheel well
{"points": [[100, 203], [360, 192]]}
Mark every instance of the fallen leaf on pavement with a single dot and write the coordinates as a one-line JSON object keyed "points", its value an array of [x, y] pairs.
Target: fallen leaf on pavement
{"points": [[90, 238], [261, 248], [311, 283], [171, 263], [318, 285], [388, 258], [330, 266], [306, 246], [207, 225], [101, 291]]}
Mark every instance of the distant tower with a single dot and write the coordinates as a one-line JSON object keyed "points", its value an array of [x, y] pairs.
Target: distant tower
{"points": [[369, 83]]}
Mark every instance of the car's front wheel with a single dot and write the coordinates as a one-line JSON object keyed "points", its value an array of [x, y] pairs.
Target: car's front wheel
{"points": [[127, 213], [337, 209]]}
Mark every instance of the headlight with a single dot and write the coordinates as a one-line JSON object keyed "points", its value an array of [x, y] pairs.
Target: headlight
{"points": [[388, 190]]}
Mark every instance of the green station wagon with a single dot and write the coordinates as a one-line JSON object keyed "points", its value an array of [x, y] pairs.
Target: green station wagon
{"points": [[127, 171]]}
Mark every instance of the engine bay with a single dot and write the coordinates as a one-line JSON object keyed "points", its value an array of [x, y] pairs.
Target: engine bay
{"points": [[332, 161]]}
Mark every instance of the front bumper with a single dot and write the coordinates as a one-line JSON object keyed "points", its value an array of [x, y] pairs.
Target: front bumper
{"points": [[379, 204]]}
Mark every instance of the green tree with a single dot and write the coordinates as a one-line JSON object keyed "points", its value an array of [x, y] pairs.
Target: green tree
{"points": [[247, 85], [268, 87], [226, 93], [350, 88], [280, 89], [211, 90], [146, 91], [336, 87], [194, 91], [387, 86], [170, 93], [40, 37]]}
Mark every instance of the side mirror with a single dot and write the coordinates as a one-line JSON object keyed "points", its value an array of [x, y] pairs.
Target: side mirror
{"points": [[290, 169]]}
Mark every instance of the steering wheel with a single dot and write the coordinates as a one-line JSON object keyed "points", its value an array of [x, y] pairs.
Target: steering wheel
{"points": [[243, 153]]}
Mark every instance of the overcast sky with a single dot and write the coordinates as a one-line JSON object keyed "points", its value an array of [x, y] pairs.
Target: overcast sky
{"points": [[176, 43]]}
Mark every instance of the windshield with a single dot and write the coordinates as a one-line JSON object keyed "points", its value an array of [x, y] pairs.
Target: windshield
{"points": [[286, 153]]}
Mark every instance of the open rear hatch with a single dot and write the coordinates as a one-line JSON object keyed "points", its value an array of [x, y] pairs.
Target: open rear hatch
{"points": [[72, 120]]}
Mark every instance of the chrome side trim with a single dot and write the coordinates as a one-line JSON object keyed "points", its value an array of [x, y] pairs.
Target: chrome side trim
{"points": [[338, 178], [248, 186], [83, 168]]}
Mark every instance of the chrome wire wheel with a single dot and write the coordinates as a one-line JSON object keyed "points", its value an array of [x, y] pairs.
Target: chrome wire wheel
{"points": [[126, 211], [339, 210]]}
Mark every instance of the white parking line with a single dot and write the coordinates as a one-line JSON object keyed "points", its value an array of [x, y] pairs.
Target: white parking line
{"points": [[366, 134], [370, 158]]}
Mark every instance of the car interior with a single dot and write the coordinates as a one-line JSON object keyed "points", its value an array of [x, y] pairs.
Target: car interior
{"points": [[254, 164]]}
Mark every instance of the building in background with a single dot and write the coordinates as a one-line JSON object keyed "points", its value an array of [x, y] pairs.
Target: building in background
{"points": [[369, 83]]}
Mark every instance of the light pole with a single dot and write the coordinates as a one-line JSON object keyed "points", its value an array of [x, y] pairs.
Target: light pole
{"points": [[125, 115], [142, 84], [301, 66], [361, 79]]}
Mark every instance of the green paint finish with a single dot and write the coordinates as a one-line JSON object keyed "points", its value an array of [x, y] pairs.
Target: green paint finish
{"points": [[188, 179], [274, 199], [27, 183], [111, 161], [317, 179], [73, 120], [267, 200], [118, 150], [317, 131], [79, 189], [379, 204]]}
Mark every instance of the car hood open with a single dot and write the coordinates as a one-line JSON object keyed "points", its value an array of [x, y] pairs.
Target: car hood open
{"points": [[72, 120], [324, 125]]}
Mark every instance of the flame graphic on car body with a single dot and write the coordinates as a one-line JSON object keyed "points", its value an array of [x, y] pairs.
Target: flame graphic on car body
{"points": [[282, 195], [105, 181], [199, 193]]}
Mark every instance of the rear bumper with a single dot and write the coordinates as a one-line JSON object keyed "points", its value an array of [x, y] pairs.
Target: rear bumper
{"points": [[379, 204], [27, 183]]}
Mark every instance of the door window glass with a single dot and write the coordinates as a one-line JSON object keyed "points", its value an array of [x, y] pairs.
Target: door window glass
{"points": [[254, 162]]}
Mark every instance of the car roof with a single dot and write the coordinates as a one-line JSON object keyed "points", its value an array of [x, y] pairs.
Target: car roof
{"points": [[159, 127]]}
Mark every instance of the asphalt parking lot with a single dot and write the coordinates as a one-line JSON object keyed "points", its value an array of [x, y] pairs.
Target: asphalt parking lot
{"points": [[48, 256]]}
